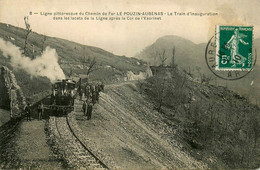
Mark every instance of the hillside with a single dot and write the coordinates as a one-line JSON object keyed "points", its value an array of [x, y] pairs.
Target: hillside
{"points": [[198, 127], [70, 58], [191, 57], [125, 126], [210, 120]]}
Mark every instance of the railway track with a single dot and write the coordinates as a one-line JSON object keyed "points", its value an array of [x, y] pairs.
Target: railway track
{"points": [[71, 148]]}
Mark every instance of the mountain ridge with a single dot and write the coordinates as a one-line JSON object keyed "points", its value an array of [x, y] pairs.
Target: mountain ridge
{"points": [[191, 58]]}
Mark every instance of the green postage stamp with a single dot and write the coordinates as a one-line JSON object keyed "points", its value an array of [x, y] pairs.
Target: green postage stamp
{"points": [[234, 47]]}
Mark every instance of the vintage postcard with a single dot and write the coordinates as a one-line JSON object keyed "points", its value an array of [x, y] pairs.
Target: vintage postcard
{"points": [[129, 84]]}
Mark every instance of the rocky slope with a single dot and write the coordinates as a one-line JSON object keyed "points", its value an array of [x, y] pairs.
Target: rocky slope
{"points": [[12, 97]]}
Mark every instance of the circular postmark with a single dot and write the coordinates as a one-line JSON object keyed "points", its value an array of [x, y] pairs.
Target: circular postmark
{"points": [[216, 54]]}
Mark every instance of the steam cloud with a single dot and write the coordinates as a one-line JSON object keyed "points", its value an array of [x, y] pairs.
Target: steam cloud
{"points": [[45, 65]]}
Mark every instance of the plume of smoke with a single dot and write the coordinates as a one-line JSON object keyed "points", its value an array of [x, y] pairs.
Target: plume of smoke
{"points": [[45, 65]]}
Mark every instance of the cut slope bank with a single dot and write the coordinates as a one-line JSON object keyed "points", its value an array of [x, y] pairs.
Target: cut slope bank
{"points": [[126, 127]]}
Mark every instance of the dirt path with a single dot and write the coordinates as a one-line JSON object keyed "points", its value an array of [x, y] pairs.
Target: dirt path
{"points": [[126, 127], [32, 149]]}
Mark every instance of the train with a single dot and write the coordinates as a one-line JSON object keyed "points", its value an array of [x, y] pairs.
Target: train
{"points": [[61, 100]]}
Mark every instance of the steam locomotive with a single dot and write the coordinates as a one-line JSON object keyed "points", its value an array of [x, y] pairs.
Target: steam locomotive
{"points": [[62, 97]]}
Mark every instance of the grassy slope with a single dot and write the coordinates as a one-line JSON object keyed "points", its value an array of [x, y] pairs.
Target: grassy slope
{"points": [[71, 55]]}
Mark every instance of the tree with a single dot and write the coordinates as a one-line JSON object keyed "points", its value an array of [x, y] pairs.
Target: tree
{"points": [[168, 90], [188, 72], [28, 31], [160, 88], [43, 42], [89, 64], [173, 57], [162, 56], [205, 79]]}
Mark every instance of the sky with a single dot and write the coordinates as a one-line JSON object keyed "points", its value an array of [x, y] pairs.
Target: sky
{"points": [[128, 37]]}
